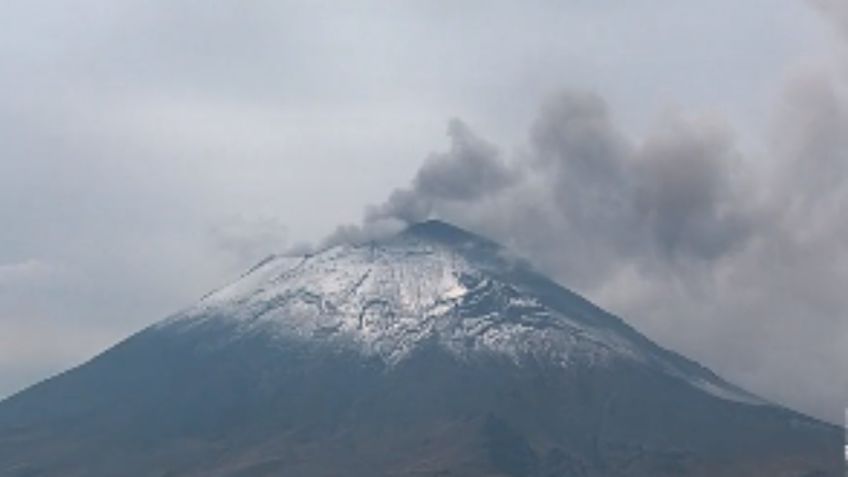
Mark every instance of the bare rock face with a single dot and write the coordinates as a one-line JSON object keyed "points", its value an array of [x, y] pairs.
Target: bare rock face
{"points": [[431, 353]]}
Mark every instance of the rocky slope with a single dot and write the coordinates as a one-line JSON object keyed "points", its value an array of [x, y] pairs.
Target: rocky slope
{"points": [[433, 352]]}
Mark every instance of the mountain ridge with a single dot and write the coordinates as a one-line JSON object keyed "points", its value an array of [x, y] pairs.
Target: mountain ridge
{"points": [[432, 352], [464, 251]]}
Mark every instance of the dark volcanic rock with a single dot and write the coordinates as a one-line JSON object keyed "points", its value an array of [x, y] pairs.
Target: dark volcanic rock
{"points": [[429, 354]]}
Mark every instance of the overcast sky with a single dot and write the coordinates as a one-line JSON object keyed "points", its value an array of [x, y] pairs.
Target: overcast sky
{"points": [[152, 150]]}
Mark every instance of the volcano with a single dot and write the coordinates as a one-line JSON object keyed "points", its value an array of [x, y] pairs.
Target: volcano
{"points": [[434, 352]]}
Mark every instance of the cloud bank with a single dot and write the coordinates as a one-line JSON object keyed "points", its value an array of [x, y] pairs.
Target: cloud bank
{"points": [[738, 259], [152, 150]]}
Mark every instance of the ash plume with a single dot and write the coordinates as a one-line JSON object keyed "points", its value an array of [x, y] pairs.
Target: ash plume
{"points": [[738, 259]]}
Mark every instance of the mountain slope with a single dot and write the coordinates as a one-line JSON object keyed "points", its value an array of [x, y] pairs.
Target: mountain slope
{"points": [[433, 352]]}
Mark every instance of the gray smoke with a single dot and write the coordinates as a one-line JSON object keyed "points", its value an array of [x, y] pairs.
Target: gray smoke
{"points": [[147, 158], [734, 260], [580, 186], [837, 10], [470, 171]]}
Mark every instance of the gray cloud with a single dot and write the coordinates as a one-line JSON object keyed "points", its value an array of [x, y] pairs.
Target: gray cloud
{"points": [[836, 10], [688, 192], [249, 239], [469, 171], [582, 186], [737, 261], [151, 150]]}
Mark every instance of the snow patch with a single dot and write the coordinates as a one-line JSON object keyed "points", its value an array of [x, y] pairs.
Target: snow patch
{"points": [[387, 299]]}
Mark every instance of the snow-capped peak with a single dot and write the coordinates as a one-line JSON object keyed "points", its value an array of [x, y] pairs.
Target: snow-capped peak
{"points": [[433, 283]]}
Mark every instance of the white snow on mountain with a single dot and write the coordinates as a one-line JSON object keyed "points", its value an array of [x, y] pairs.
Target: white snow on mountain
{"points": [[388, 298]]}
